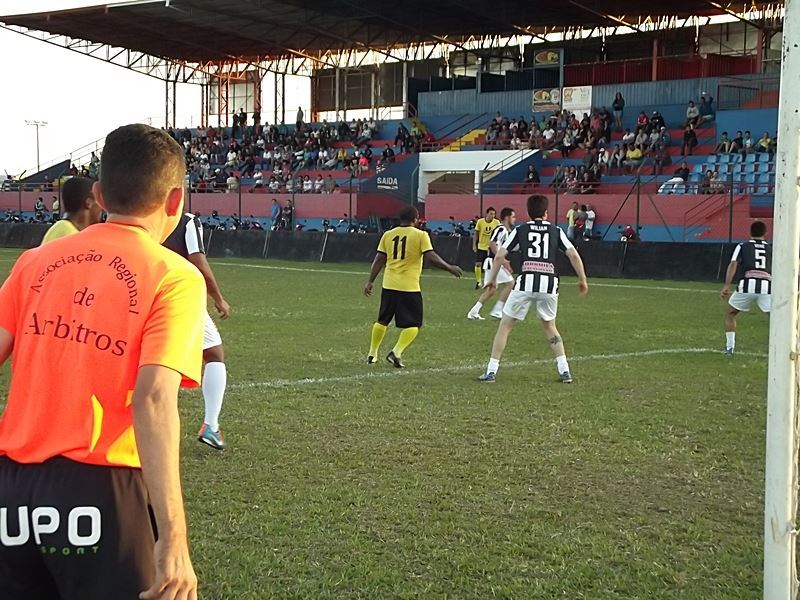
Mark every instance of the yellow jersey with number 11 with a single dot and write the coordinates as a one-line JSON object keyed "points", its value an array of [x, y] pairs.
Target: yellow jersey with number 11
{"points": [[404, 248]]}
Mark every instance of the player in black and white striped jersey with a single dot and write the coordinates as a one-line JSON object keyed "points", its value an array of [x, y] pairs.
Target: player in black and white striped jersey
{"points": [[504, 276], [187, 240], [537, 284], [751, 264]]}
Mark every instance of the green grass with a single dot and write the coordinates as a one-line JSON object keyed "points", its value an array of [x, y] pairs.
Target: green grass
{"points": [[641, 480]]}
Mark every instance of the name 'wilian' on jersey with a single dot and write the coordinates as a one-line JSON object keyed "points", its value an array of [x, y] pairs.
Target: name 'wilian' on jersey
{"points": [[754, 269], [538, 243]]}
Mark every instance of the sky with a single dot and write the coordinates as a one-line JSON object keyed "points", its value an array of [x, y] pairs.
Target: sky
{"points": [[82, 98]]}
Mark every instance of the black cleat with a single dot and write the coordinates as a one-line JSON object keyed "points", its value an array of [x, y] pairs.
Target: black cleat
{"points": [[477, 285], [371, 360], [395, 361]]}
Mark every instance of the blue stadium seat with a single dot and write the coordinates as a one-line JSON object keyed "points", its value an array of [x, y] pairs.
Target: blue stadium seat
{"points": [[711, 159], [763, 157], [724, 158], [735, 158], [750, 158], [700, 168], [749, 167], [695, 177]]}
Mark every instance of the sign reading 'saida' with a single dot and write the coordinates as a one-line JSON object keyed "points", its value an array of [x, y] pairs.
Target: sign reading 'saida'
{"points": [[387, 183]]}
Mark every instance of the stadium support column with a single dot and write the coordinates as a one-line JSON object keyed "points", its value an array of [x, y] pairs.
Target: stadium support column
{"points": [[373, 109], [654, 66], [280, 97], [336, 91], [170, 101], [405, 90], [780, 504]]}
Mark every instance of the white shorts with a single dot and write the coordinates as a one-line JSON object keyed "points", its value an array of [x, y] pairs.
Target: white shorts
{"points": [[743, 301], [211, 337], [519, 303], [503, 276]]}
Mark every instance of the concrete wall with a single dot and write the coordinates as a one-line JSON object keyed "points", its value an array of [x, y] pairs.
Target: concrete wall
{"points": [[757, 120]]}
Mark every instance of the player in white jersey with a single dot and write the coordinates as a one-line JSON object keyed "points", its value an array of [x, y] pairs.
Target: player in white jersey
{"points": [[538, 242], [187, 240], [751, 265], [504, 276]]}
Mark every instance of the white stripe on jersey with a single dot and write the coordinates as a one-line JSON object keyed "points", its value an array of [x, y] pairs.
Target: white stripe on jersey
{"points": [[544, 283], [754, 286], [193, 235]]}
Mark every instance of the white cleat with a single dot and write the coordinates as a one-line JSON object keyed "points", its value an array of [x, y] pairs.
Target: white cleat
{"points": [[475, 317], [497, 314]]}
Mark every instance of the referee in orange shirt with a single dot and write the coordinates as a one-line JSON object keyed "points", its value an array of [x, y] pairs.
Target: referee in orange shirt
{"points": [[90, 495]]}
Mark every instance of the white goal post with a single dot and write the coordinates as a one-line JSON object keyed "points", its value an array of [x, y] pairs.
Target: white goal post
{"points": [[780, 504]]}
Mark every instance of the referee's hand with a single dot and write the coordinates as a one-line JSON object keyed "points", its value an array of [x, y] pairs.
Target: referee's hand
{"points": [[456, 271], [368, 289], [175, 578]]}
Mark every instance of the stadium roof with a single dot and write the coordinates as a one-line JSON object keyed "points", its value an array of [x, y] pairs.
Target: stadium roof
{"points": [[220, 30]]}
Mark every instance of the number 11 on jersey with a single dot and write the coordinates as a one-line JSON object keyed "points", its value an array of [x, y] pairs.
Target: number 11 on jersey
{"points": [[399, 243]]}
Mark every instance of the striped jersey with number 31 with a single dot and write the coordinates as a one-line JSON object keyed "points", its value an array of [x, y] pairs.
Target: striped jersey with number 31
{"points": [[538, 243]]}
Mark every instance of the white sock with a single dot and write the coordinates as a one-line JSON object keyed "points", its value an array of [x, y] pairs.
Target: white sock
{"points": [[476, 309], [494, 364], [498, 307], [215, 378], [730, 340], [561, 362]]}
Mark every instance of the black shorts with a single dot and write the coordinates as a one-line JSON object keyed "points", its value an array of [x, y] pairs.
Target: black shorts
{"points": [[481, 256], [404, 307], [74, 532]]}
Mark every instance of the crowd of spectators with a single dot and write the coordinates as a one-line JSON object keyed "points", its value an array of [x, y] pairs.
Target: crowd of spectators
{"points": [[590, 137], [273, 155]]}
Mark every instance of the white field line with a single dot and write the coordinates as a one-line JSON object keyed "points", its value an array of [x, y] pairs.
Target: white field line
{"points": [[478, 368], [364, 273]]}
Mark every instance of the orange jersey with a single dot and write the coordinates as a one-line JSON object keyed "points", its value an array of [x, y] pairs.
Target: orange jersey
{"points": [[86, 311]]}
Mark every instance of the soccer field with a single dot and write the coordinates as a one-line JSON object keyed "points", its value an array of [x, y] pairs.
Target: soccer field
{"points": [[643, 479]]}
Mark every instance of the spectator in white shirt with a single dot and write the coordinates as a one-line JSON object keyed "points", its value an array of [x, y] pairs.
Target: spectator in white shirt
{"points": [[692, 114], [549, 135], [233, 183], [308, 185], [589, 222], [274, 185], [232, 157], [318, 183], [628, 137], [323, 157]]}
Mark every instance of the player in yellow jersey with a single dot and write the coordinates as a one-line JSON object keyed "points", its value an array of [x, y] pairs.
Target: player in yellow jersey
{"points": [[401, 250], [80, 209], [484, 229]]}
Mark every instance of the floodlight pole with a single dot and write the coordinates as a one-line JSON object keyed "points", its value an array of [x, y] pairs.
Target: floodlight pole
{"points": [[780, 506], [37, 124]]}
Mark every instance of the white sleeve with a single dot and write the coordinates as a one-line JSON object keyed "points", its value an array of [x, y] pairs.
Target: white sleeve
{"points": [[563, 241], [194, 236], [511, 243], [736, 251], [498, 231]]}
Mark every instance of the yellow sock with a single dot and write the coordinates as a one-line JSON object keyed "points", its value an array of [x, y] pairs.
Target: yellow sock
{"points": [[378, 333], [478, 273], [404, 341]]}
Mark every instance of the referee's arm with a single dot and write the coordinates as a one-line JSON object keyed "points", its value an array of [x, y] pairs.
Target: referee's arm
{"points": [[6, 344]]}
